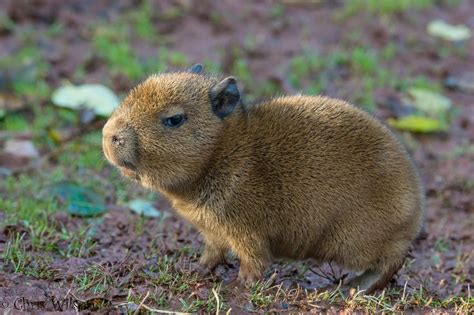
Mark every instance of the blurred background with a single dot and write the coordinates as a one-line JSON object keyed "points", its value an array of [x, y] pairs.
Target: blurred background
{"points": [[68, 219]]}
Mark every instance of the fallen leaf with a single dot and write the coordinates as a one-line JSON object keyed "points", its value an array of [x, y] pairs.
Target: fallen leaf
{"points": [[417, 124], [21, 148], [80, 201], [144, 207], [92, 96], [439, 28], [429, 102]]}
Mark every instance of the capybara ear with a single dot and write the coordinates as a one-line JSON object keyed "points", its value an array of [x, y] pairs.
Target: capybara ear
{"points": [[197, 68], [224, 97]]}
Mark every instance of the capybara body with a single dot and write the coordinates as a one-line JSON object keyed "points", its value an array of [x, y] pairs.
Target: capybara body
{"points": [[293, 177]]}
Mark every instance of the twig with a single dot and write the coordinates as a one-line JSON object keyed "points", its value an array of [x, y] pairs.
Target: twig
{"points": [[153, 310], [218, 307], [163, 311], [334, 277], [142, 302], [321, 274]]}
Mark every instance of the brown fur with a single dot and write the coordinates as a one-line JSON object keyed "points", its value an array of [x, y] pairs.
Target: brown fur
{"points": [[294, 177]]}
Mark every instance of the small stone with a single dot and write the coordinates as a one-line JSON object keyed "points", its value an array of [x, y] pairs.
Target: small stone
{"points": [[21, 148]]}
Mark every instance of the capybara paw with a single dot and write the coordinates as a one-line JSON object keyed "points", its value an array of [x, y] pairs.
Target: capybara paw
{"points": [[210, 261], [249, 276]]}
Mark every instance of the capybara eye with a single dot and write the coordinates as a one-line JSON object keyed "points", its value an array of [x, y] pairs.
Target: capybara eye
{"points": [[174, 121]]}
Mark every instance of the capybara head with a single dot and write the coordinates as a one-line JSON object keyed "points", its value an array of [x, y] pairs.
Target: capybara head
{"points": [[164, 132]]}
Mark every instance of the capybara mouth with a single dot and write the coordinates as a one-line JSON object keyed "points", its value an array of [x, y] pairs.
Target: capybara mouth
{"points": [[127, 172]]}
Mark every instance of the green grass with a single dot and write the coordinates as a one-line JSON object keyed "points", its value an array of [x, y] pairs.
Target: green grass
{"points": [[25, 203], [27, 69], [95, 280], [178, 59], [364, 61], [80, 243], [121, 59], [311, 72], [40, 268], [21, 260], [389, 51], [43, 237], [260, 295], [55, 29], [385, 6], [174, 12], [305, 72], [81, 156], [190, 303], [176, 280], [19, 257], [112, 42], [242, 71], [34, 213], [211, 66], [388, 301], [142, 19], [16, 254], [389, 7], [14, 123], [418, 82], [30, 205], [213, 303], [6, 22], [277, 11]]}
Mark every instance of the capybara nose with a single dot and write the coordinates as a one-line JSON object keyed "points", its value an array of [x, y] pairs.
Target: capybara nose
{"points": [[113, 134], [117, 141]]}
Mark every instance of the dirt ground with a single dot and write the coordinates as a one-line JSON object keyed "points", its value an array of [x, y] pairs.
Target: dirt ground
{"points": [[130, 263]]}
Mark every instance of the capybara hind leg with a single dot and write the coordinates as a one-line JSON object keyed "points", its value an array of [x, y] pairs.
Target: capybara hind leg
{"points": [[371, 280], [214, 253], [250, 271], [364, 281], [253, 261]]}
